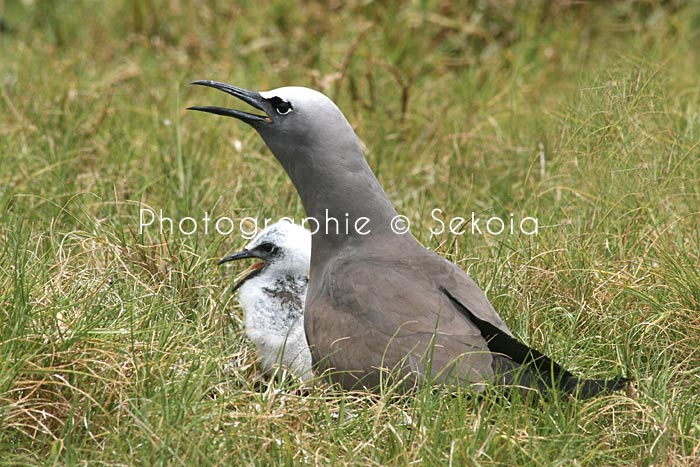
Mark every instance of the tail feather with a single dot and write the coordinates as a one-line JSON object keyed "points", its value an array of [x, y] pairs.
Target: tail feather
{"points": [[587, 388], [527, 377], [519, 365]]}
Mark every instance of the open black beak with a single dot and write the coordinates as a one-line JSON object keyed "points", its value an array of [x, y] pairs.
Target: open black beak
{"points": [[243, 254], [254, 270], [250, 97]]}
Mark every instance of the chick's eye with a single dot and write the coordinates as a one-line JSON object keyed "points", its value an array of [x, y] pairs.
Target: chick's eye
{"points": [[268, 248], [283, 107]]}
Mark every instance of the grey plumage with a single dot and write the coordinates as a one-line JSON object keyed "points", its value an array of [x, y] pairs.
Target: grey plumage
{"points": [[382, 301]]}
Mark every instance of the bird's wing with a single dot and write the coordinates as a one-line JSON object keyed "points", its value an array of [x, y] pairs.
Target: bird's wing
{"points": [[389, 313], [463, 289], [471, 302], [504, 344], [521, 366]]}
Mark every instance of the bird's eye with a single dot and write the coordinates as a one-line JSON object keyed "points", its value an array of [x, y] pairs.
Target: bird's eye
{"points": [[268, 248], [281, 106]]}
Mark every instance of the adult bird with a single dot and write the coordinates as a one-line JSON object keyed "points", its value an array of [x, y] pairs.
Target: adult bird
{"points": [[378, 300]]}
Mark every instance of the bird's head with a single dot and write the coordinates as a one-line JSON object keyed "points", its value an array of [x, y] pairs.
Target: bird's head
{"points": [[295, 122], [284, 248]]}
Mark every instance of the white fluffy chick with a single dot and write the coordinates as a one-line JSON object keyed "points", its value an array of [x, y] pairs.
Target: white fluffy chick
{"points": [[272, 296]]}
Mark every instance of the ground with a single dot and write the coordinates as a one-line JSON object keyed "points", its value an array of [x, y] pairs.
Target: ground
{"points": [[122, 345]]}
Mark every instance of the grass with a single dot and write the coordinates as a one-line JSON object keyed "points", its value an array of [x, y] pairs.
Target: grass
{"points": [[123, 347]]}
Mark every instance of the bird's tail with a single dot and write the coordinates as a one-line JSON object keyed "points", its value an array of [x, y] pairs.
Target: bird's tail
{"points": [[519, 365], [586, 388], [532, 373]]}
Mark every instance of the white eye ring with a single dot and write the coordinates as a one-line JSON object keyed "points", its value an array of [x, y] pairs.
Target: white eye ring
{"points": [[287, 108], [284, 112]]}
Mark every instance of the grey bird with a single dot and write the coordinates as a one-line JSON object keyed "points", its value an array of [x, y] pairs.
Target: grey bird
{"points": [[380, 301], [272, 296]]}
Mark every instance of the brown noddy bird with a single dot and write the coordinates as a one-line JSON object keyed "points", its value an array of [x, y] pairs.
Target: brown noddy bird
{"points": [[378, 300]]}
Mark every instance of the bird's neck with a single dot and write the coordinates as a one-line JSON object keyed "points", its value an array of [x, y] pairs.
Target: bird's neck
{"points": [[344, 199]]}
